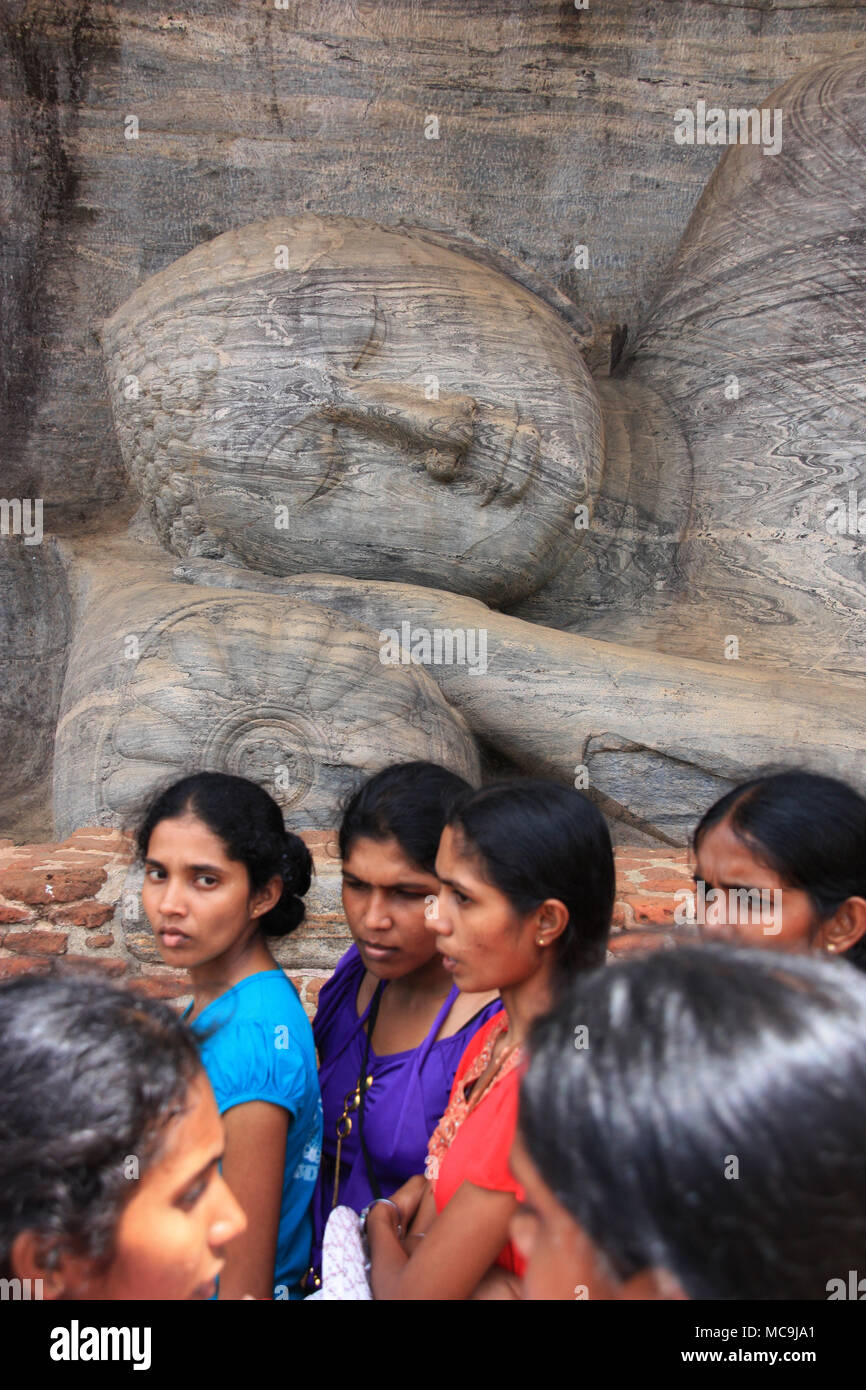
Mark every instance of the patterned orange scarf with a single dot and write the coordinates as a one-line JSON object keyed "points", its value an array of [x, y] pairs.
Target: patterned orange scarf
{"points": [[459, 1105]]}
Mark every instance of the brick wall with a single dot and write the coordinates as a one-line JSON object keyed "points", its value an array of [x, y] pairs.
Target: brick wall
{"points": [[75, 906]]}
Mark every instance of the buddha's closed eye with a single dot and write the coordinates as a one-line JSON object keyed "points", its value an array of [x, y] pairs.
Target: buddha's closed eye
{"points": [[440, 430], [488, 450]]}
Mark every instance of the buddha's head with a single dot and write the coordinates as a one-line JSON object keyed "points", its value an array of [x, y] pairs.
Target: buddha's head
{"points": [[322, 394]]}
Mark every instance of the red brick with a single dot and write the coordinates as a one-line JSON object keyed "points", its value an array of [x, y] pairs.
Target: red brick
{"points": [[87, 915], [619, 914], [99, 941], [654, 871], [627, 941], [664, 884], [313, 988], [318, 837], [27, 857], [108, 839], [66, 885], [640, 854], [40, 943], [14, 914], [74, 964], [649, 909], [152, 987], [24, 965], [61, 854], [322, 844]]}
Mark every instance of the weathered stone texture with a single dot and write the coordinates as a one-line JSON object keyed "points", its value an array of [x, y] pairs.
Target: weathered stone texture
{"points": [[555, 129]]}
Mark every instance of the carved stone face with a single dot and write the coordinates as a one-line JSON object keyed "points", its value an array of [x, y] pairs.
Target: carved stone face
{"points": [[326, 395]]}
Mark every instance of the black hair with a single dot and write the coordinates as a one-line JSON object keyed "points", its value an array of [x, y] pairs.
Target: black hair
{"points": [[534, 840], [407, 802], [709, 1122], [809, 829], [90, 1075], [250, 824]]}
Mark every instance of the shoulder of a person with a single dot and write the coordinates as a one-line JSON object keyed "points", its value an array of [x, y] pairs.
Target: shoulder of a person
{"points": [[267, 1013], [477, 1041], [348, 970], [467, 1007], [495, 1116], [258, 1058], [350, 963], [272, 996]]}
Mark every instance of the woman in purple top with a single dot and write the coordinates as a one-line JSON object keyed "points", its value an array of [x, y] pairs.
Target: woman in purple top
{"points": [[391, 1026]]}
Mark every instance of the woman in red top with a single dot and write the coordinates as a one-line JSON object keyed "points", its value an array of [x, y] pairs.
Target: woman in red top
{"points": [[527, 876]]}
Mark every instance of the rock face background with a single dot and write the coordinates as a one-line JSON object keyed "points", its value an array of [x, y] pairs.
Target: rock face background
{"points": [[535, 127], [555, 129]]}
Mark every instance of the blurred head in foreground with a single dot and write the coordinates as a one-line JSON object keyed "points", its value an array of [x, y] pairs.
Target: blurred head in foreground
{"points": [[692, 1126], [110, 1141]]}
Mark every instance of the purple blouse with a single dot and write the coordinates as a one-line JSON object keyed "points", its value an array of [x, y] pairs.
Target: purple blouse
{"points": [[403, 1106]]}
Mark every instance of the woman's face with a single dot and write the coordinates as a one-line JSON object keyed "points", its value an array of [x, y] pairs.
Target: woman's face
{"points": [[562, 1263], [196, 898], [775, 915], [485, 943], [385, 898], [171, 1233]]}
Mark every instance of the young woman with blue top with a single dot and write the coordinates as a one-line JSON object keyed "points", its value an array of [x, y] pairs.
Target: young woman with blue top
{"points": [[391, 1026], [222, 874]]}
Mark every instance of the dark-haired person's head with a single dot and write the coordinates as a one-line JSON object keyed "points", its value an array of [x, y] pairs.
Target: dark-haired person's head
{"points": [[110, 1142], [692, 1125], [780, 861], [220, 868], [389, 835], [528, 885]]}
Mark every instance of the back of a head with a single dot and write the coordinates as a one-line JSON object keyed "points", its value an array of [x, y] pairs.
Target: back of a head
{"points": [[710, 1123], [809, 828], [406, 802], [535, 840], [89, 1075]]}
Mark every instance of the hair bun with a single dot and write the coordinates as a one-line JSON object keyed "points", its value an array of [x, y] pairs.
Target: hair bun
{"points": [[297, 865]]}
